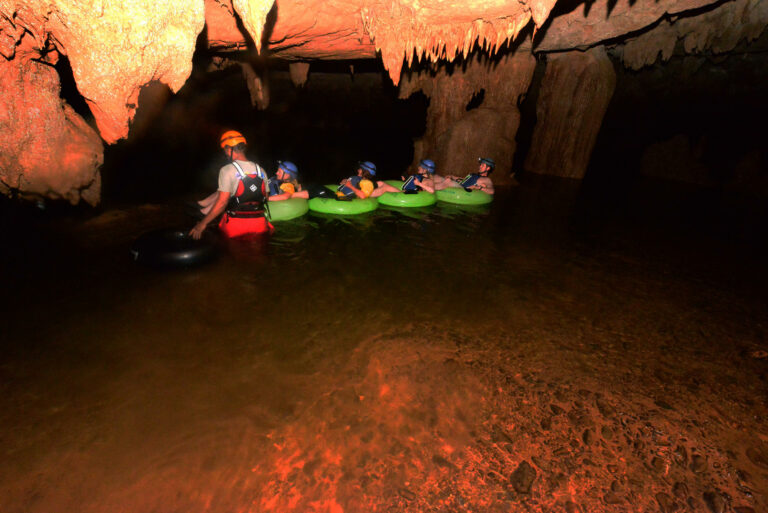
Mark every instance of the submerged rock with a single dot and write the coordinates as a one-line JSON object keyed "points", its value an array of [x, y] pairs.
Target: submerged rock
{"points": [[666, 503], [522, 478], [714, 501], [698, 463], [680, 490], [758, 457]]}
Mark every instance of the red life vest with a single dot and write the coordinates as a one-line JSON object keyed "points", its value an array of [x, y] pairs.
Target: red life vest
{"points": [[245, 214]]}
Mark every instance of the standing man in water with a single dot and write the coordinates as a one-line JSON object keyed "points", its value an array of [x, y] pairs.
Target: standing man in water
{"points": [[242, 186], [478, 181]]}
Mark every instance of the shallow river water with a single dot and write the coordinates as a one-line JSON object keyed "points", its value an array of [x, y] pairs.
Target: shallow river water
{"points": [[559, 351]]}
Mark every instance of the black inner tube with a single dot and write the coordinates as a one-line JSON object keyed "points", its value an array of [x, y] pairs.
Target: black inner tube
{"points": [[173, 247]]}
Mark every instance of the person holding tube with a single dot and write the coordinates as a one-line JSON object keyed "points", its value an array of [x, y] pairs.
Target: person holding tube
{"points": [[240, 196]]}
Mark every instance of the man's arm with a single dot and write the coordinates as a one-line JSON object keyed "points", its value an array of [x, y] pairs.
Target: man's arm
{"points": [[280, 197], [221, 204], [427, 184], [484, 184]]}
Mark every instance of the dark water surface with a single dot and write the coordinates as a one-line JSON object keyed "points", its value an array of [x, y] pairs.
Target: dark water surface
{"points": [[129, 389]]}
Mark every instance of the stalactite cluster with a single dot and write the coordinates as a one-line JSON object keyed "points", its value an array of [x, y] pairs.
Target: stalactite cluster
{"points": [[406, 32]]}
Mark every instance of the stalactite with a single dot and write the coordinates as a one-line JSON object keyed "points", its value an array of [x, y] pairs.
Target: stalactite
{"points": [[299, 72], [403, 40]]}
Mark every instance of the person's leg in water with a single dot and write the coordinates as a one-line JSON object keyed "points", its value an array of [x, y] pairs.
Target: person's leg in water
{"points": [[381, 188], [443, 182]]}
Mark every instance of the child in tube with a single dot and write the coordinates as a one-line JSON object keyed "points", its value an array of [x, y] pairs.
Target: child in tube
{"points": [[285, 184], [361, 185]]}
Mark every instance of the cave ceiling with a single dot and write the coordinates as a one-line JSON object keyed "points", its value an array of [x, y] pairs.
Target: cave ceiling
{"points": [[117, 47]]}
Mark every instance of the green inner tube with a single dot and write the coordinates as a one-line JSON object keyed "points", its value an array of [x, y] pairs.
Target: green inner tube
{"points": [[341, 207], [287, 209], [400, 199], [458, 196]]}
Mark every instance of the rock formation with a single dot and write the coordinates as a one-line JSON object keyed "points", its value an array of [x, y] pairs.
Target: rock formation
{"points": [[574, 96], [299, 73], [114, 49], [117, 48], [718, 31], [48, 150], [456, 136]]}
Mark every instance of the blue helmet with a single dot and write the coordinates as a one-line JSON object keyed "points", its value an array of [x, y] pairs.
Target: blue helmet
{"points": [[489, 162], [288, 167], [429, 165], [368, 166]]}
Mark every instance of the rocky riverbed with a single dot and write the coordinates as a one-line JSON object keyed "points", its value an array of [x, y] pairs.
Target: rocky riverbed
{"points": [[518, 364]]}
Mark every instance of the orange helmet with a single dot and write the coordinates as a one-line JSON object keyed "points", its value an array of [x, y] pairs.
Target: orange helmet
{"points": [[231, 138]]}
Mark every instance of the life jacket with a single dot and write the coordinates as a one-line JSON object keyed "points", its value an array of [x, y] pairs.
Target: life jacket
{"points": [[411, 184], [469, 180], [245, 211], [276, 186], [344, 191], [250, 194]]}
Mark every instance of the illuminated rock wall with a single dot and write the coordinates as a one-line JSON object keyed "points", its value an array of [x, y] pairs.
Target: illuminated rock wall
{"points": [[47, 150], [114, 48]]}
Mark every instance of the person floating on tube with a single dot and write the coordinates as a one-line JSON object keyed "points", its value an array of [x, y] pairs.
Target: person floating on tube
{"points": [[361, 185], [477, 181], [421, 180], [285, 184]]}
